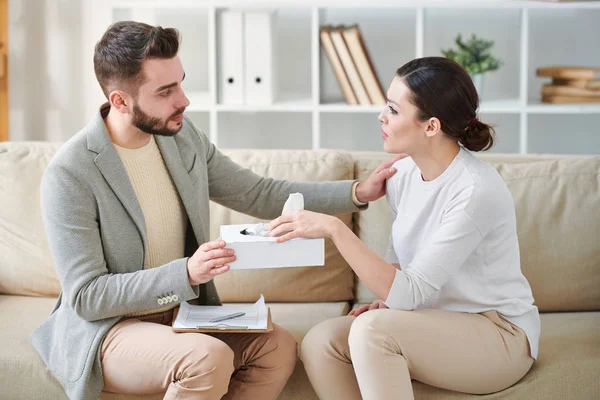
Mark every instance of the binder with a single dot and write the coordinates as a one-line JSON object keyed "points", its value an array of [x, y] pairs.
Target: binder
{"points": [[260, 79], [342, 49], [336, 64], [224, 329], [231, 50]]}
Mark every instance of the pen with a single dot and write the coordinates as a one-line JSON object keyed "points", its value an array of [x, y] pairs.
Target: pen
{"points": [[226, 317]]}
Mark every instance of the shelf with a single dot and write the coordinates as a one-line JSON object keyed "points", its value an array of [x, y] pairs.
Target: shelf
{"points": [[508, 106], [286, 103], [348, 108], [200, 101], [535, 106], [504, 106]]}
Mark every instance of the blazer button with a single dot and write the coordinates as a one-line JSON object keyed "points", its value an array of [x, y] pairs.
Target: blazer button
{"points": [[175, 297], [160, 301], [169, 299]]}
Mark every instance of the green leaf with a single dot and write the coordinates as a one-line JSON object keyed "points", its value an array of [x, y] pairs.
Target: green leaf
{"points": [[474, 55]]}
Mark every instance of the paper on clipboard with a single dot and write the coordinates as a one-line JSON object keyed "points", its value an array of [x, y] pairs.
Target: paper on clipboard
{"points": [[198, 317]]}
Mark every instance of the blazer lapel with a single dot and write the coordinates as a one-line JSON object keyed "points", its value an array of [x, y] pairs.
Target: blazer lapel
{"points": [[110, 166], [185, 187]]}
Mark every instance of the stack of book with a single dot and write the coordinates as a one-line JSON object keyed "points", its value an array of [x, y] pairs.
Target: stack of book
{"points": [[352, 65], [571, 84]]}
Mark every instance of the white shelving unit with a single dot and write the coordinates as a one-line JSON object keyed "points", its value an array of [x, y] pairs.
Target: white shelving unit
{"points": [[310, 112]]}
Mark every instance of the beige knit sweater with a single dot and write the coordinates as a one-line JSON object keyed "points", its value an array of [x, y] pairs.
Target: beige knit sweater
{"points": [[163, 210]]}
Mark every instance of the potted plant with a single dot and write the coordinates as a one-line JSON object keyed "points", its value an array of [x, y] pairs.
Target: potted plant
{"points": [[474, 55]]}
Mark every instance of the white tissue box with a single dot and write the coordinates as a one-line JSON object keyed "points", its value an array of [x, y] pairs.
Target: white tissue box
{"points": [[255, 252]]}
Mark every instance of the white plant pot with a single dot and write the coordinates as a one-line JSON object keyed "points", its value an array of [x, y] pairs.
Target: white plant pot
{"points": [[478, 82]]}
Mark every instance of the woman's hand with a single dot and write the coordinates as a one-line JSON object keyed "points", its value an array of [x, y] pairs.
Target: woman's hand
{"points": [[302, 224], [373, 306]]}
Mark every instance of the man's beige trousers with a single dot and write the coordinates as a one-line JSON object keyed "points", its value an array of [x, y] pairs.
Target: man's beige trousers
{"points": [[142, 355]]}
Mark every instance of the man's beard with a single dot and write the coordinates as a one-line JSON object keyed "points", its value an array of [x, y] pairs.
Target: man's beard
{"points": [[153, 125]]}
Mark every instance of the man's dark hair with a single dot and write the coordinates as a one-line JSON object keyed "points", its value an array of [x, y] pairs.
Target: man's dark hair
{"points": [[119, 55]]}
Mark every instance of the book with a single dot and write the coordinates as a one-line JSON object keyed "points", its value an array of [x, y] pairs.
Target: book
{"points": [[579, 83], [346, 58], [338, 68], [558, 90], [363, 63], [569, 99], [193, 318], [564, 72]]}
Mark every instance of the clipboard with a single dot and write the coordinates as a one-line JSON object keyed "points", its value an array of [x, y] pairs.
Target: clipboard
{"points": [[223, 329]]}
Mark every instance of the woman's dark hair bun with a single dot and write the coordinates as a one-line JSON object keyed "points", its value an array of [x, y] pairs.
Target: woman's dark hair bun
{"points": [[478, 136]]}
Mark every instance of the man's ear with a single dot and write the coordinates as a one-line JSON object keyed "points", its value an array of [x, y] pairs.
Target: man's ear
{"points": [[432, 127], [119, 100]]}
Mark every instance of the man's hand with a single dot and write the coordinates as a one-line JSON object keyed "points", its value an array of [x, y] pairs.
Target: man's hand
{"points": [[211, 259], [373, 187], [373, 306]]}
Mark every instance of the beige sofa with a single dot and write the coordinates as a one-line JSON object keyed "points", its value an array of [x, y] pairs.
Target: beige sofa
{"points": [[558, 209]]}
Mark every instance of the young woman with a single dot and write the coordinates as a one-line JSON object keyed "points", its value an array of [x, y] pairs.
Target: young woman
{"points": [[455, 310]]}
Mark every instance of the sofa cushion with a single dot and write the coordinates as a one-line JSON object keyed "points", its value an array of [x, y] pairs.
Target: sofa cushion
{"points": [[565, 369], [334, 281], [298, 318], [25, 261], [20, 364], [558, 222], [557, 201]]}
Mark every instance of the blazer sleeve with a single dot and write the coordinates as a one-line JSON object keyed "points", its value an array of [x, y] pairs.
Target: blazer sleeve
{"points": [[242, 190]]}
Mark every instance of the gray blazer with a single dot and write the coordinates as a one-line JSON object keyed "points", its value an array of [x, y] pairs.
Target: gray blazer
{"points": [[97, 237]]}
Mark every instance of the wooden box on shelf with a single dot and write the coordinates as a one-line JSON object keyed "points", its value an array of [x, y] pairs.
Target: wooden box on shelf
{"points": [[570, 84]]}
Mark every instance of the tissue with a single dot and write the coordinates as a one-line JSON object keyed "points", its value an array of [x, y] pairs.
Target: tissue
{"points": [[294, 203]]}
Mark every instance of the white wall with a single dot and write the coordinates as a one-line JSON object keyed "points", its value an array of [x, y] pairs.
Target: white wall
{"points": [[50, 68]]}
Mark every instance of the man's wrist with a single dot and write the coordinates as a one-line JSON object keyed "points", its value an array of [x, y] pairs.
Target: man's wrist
{"points": [[187, 269], [355, 199]]}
